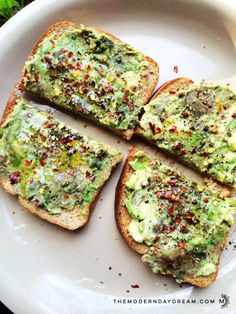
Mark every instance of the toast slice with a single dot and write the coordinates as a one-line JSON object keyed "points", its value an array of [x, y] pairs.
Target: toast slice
{"points": [[195, 123], [178, 226], [56, 172], [91, 72]]}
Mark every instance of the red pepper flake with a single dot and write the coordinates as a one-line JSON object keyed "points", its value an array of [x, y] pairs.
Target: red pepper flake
{"points": [[131, 106], [210, 106], [162, 120], [172, 92], [190, 133], [133, 88], [118, 73], [191, 219], [36, 77], [86, 76], [156, 249], [43, 138], [205, 200], [48, 125], [88, 67], [158, 195], [173, 181], [78, 66], [27, 162], [177, 221], [176, 69], [126, 99], [155, 130], [50, 117], [14, 177], [70, 54], [185, 114], [71, 67], [184, 229], [182, 245], [183, 152], [177, 146], [167, 196], [42, 163], [126, 91], [66, 196], [171, 211], [31, 180], [172, 228], [65, 140], [135, 286], [183, 188], [55, 73], [233, 115], [173, 129]]}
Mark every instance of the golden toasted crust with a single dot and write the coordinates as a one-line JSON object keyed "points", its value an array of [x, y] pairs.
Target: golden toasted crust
{"points": [[122, 217], [173, 86], [148, 83], [67, 219], [123, 220]]}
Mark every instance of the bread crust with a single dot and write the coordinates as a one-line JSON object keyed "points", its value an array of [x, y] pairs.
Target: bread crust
{"points": [[70, 220], [149, 83], [123, 220]]}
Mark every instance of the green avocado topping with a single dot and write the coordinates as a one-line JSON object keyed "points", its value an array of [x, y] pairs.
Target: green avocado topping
{"points": [[198, 125], [88, 73], [183, 223], [48, 163]]}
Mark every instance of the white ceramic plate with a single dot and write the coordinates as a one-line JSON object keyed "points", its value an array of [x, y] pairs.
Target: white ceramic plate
{"points": [[44, 269]]}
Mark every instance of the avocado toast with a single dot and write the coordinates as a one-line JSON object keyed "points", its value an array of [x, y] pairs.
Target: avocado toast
{"points": [[90, 72], [178, 226], [195, 123], [56, 172]]}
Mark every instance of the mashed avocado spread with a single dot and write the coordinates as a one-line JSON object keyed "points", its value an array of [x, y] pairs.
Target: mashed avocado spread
{"points": [[197, 124], [48, 163], [183, 223], [88, 73]]}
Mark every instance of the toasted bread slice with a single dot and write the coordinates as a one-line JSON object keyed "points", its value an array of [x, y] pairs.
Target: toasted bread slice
{"points": [[56, 160], [99, 77], [127, 219], [194, 123]]}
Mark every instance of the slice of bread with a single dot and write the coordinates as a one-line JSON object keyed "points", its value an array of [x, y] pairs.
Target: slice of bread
{"points": [[68, 218], [110, 90], [213, 116], [124, 218]]}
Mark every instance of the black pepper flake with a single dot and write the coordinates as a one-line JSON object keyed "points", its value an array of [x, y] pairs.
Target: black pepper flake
{"points": [[110, 268]]}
